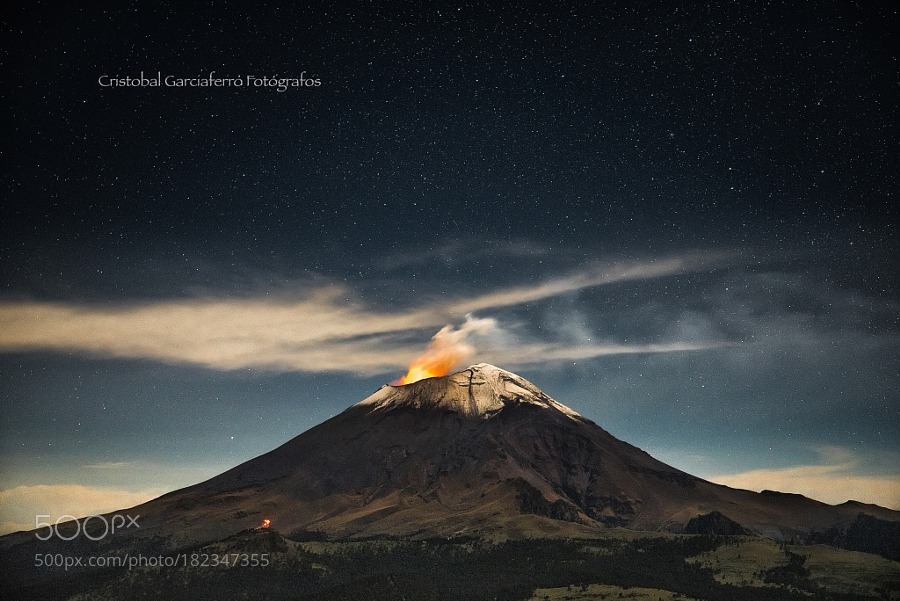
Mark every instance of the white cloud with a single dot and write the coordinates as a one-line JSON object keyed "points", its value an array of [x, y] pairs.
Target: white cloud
{"points": [[20, 506], [836, 479], [328, 330], [538, 353], [592, 276]]}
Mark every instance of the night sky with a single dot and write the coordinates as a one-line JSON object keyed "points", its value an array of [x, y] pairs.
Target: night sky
{"points": [[680, 222]]}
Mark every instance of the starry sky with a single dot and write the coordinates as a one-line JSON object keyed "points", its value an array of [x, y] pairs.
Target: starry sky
{"points": [[680, 222]]}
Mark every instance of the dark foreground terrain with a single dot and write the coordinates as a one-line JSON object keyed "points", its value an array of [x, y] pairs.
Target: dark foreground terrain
{"points": [[263, 564]]}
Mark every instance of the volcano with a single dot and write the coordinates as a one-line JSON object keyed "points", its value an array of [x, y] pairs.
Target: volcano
{"points": [[482, 452]]}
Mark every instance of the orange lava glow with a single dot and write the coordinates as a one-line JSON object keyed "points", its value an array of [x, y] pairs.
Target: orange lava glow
{"points": [[435, 362], [266, 523], [420, 372]]}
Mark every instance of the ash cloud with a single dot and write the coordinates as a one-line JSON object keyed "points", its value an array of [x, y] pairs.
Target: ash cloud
{"points": [[449, 348]]}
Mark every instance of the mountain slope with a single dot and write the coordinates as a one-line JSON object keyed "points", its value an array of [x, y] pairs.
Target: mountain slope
{"points": [[479, 452], [474, 452]]}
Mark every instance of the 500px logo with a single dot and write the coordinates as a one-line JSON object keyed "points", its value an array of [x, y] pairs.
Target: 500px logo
{"points": [[109, 526]]}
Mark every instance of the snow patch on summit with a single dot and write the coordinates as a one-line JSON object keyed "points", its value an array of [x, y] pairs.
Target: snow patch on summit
{"points": [[479, 390]]}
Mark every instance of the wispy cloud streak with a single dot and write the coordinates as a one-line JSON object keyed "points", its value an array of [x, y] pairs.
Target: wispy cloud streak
{"points": [[325, 331], [537, 353], [591, 277]]}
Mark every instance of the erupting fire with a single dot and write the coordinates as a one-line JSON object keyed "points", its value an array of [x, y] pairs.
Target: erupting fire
{"points": [[266, 523], [427, 366], [447, 349]]}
